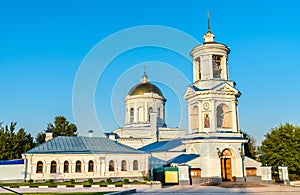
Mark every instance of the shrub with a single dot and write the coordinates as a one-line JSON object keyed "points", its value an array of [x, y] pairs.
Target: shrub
{"points": [[30, 181], [294, 177], [72, 181], [90, 181], [109, 181], [146, 177], [51, 181], [126, 181], [234, 178]]}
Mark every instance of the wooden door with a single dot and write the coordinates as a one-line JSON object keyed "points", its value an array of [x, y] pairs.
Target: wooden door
{"points": [[251, 171], [226, 169]]}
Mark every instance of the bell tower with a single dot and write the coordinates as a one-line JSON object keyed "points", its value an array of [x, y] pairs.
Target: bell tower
{"points": [[213, 124], [210, 59], [212, 98]]}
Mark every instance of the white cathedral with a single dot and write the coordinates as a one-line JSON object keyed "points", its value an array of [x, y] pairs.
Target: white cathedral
{"points": [[213, 146]]}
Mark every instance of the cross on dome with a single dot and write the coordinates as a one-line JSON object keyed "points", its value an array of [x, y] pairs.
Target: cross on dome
{"points": [[145, 77], [209, 36]]}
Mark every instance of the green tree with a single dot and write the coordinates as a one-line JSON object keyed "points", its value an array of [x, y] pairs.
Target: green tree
{"points": [[250, 146], [13, 144], [60, 127], [281, 146], [40, 138]]}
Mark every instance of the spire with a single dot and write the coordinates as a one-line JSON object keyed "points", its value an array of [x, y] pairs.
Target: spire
{"points": [[145, 77], [209, 36], [208, 21]]}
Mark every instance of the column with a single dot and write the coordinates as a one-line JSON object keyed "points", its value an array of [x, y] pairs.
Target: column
{"points": [[102, 168], [237, 117], [200, 118], [146, 112], [224, 68], [212, 116], [135, 113], [211, 69], [195, 70], [189, 119], [234, 125]]}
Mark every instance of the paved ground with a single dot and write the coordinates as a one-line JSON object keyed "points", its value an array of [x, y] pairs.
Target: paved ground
{"points": [[181, 190], [191, 190]]}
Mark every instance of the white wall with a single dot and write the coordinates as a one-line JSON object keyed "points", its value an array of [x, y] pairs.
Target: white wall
{"points": [[11, 172], [101, 164]]}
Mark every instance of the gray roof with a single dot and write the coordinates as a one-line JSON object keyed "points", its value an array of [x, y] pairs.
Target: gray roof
{"points": [[82, 145]]}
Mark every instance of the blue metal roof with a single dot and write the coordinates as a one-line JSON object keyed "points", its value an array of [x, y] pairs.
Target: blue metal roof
{"points": [[162, 146], [12, 162], [183, 158], [82, 145]]}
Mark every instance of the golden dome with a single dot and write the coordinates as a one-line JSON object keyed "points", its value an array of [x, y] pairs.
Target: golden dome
{"points": [[145, 87], [142, 88]]}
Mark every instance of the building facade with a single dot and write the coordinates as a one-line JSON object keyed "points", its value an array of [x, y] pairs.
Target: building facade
{"points": [[79, 158]]}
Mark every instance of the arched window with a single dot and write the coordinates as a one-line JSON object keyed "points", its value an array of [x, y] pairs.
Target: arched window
{"points": [[91, 166], [217, 68], [39, 167], [111, 166], [131, 115], [53, 167], [123, 165], [78, 166], [135, 165], [66, 167], [223, 117], [195, 118], [150, 109], [226, 152], [158, 112]]}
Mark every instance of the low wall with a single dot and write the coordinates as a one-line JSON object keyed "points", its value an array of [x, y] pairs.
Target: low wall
{"points": [[255, 179], [204, 180], [11, 173]]}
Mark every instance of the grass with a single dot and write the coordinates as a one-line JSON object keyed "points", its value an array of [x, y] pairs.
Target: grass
{"points": [[76, 193], [68, 183]]}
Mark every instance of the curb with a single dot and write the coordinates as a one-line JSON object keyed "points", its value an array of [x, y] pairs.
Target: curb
{"points": [[123, 192], [120, 186]]}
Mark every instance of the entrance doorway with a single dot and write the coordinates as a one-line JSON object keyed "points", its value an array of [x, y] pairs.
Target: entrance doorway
{"points": [[226, 167]]}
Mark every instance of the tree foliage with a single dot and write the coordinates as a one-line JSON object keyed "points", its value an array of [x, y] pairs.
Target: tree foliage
{"points": [[281, 146], [60, 127], [250, 146], [40, 138], [13, 144]]}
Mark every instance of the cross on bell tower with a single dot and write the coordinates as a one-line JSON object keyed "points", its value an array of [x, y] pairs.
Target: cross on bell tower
{"points": [[209, 36]]}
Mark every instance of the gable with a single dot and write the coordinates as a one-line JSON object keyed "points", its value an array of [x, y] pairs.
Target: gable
{"points": [[190, 91], [226, 88]]}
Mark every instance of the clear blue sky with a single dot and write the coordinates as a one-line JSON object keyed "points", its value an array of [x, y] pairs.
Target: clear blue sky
{"points": [[43, 44]]}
